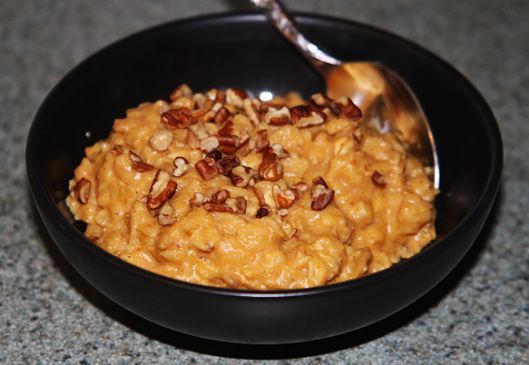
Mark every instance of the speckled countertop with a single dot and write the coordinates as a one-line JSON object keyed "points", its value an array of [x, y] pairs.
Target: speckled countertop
{"points": [[49, 314]]}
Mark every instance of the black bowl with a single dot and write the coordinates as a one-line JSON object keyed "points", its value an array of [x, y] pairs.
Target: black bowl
{"points": [[243, 50]]}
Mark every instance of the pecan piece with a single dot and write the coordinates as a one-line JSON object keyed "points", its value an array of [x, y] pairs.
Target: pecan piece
{"points": [[209, 144], [207, 168], [226, 164], [220, 196], [261, 141], [181, 166], [277, 116], [298, 189], [221, 116], [237, 204], [284, 197], [199, 199], [215, 154], [236, 97], [165, 215], [181, 91], [192, 140], [161, 140], [177, 118], [270, 167], [378, 179], [241, 175], [228, 143], [305, 116], [213, 207], [162, 189], [321, 194], [250, 108], [279, 151], [319, 100], [262, 212], [137, 163], [346, 107], [82, 190]]}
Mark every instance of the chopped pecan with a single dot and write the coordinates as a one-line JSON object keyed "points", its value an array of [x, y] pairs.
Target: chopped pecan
{"points": [[213, 207], [305, 116], [251, 106], [261, 141], [346, 107], [177, 118], [298, 189], [378, 179], [181, 91], [284, 197], [203, 109], [226, 129], [226, 164], [277, 116], [241, 175], [262, 212], [137, 163], [228, 143], [220, 196], [161, 140], [282, 212], [199, 199], [208, 117], [270, 167], [320, 100], [165, 215], [279, 151], [321, 194], [215, 154], [209, 144], [237, 204], [235, 97], [162, 189], [82, 190], [207, 168], [221, 116], [181, 165], [259, 195]]}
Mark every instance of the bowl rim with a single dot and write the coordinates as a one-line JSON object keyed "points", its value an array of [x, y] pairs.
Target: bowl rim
{"points": [[47, 207]]}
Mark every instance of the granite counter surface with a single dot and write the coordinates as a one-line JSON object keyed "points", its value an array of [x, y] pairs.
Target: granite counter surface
{"points": [[49, 314]]}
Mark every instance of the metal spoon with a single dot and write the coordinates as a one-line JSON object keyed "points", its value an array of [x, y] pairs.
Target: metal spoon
{"points": [[384, 97]]}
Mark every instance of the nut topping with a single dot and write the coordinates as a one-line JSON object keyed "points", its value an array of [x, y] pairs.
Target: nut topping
{"points": [[228, 143], [262, 140], [215, 154], [165, 215], [192, 140], [137, 163], [181, 91], [378, 179], [298, 189], [270, 167], [207, 168], [284, 198], [321, 194], [221, 116], [220, 196], [235, 97], [279, 151], [161, 140], [305, 116], [241, 175], [199, 199], [181, 166], [177, 118], [82, 190], [209, 144], [277, 116], [320, 100], [250, 108], [226, 164], [346, 107], [262, 212], [162, 189], [237, 204]]}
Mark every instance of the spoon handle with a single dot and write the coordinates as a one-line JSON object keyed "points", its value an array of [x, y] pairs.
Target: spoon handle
{"points": [[280, 18]]}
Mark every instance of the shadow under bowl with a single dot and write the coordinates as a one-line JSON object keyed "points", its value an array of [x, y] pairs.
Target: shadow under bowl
{"points": [[243, 50]]}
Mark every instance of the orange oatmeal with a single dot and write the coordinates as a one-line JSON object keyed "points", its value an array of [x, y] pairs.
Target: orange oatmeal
{"points": [[221, 189]]}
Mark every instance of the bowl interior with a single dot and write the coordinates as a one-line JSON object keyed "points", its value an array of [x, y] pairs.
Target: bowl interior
{"points": [[244, 51]]}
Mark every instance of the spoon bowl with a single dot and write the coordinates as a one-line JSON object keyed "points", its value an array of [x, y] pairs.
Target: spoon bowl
{"points": [[384, 97]]}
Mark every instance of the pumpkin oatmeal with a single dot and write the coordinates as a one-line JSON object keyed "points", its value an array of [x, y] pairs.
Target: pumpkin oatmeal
{"points": [[225, 190]]}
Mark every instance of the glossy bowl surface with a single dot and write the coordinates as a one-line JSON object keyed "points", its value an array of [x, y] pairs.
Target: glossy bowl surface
{"points": [[243, 50]]}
